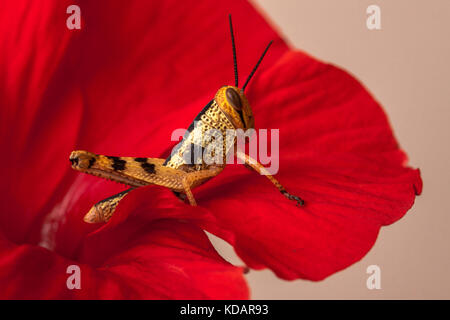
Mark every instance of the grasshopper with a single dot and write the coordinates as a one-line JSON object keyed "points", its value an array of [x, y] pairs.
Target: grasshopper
{"points": [[228, 110]]}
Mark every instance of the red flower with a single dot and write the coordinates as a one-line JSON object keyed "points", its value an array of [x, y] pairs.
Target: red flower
{"points": [[120, 86]]}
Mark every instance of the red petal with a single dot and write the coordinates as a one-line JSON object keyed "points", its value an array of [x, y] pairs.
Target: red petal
{"points": [[337, 151], [38, 119], [139, 259]]}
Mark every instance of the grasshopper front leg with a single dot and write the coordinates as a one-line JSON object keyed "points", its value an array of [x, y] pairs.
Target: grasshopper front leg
{"points": [[255, 165]]}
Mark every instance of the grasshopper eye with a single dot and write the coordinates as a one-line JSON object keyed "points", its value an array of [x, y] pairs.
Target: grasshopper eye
{"points": [[234, 99]]}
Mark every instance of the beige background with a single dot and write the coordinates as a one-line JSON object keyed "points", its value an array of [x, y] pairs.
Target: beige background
{"points": [[406, 66]]}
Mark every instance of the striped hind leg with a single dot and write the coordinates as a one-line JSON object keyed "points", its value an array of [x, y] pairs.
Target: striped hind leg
{"points": [[131, 171], [103, 210]]}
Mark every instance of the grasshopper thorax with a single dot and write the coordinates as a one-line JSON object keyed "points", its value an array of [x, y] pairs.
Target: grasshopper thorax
{"points": [[233, 103]]}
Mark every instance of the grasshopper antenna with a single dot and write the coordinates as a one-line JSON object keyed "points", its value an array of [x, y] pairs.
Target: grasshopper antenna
{"points": [[236, 81], [257, 65]]}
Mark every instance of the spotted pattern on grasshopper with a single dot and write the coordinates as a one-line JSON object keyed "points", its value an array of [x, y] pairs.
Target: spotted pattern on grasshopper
{"points": [[229, 110]]}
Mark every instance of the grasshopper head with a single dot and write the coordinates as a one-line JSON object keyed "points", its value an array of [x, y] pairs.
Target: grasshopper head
{"points": [[234, 104]]}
